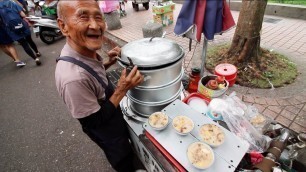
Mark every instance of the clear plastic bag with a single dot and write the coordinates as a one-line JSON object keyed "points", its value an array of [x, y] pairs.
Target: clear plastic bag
{"points": [[239, 125], [259, 121], [233, 100], [237, 116]]}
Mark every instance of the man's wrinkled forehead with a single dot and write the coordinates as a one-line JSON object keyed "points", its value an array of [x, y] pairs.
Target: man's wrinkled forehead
{"points": [[81, 11], [78, 5]]}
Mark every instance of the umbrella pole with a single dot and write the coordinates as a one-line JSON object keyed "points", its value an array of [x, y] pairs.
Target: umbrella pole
{"points": [[204, 51]]}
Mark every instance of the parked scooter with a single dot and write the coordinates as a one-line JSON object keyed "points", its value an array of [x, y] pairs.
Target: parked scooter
{"points": [[46, 27]]}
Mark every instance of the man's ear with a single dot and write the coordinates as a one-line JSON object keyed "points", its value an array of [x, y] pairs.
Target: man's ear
{"points": [[63, 27]]}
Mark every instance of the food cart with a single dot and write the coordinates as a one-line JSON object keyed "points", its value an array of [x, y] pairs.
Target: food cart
{"points": [[160, 61], [174, 146]]}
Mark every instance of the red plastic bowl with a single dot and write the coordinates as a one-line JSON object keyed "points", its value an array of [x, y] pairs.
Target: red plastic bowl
{"points": [[207, 100]]}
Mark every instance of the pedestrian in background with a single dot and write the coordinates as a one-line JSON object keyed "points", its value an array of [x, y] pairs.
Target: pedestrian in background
{"points": [[17, 28], [37, 8], [24, 5], [7, 46], [86, 91]]}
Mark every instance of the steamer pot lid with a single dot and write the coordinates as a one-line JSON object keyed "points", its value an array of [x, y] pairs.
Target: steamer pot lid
{"points": [[146, 53]]}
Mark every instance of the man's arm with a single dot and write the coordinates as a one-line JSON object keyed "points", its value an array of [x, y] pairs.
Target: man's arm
{"points": [[125, 83], [112, 54], [22, 14], [108, 107]]}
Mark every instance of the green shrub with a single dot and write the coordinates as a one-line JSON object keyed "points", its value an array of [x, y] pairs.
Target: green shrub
{"points": [[293, 2]]}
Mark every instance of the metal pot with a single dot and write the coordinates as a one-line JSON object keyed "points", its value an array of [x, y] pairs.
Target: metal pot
{"points": [[145, 109], [157, 94], [156, 78], [160, 61], [151, 53]]}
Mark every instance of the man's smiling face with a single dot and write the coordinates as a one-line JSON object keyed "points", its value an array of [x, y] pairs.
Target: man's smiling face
{"points": [[85, 25]]}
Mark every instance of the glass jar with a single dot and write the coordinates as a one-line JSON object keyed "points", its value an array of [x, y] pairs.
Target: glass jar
{"points": [[194, 78]]}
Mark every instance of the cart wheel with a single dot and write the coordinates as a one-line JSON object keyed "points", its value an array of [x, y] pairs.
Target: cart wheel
{"points": [[146, 5], [136, 7]]}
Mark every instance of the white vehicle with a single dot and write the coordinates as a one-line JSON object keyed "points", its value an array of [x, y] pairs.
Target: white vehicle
{"points": [[46, 27]]}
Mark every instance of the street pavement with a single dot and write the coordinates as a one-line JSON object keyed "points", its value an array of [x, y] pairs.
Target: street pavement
{"points": [[37, 133], [284, 35]]}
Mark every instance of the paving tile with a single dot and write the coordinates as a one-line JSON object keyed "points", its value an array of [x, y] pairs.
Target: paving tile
{"points": [[276, 109], [260, 100], [248, 99], [271, 101], [293, 109], [239, 89], [300, 120], [297, 128], [284, 121], [282, 102], [270, 113], [302, 113], [293, 101], [259, 107], [288, 114], [300, 106], [239, 95]]}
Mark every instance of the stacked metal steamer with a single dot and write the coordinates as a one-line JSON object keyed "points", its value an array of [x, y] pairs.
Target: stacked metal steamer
{"points": [[160, 61]]}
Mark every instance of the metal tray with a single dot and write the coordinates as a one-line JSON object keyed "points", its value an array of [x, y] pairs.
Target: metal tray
{"points": [[227, 156]]}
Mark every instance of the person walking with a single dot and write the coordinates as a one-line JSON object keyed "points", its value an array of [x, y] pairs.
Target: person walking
{"points": [[6, 45], [17, 28], [49, 8], [37, 8], [24, 5], [81, 81]]}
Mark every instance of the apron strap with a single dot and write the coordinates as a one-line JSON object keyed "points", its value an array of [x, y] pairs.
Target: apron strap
{"points": [[84, 66]]}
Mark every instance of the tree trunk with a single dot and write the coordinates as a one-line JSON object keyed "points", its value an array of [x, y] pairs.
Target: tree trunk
{"points": [[245, 46]]}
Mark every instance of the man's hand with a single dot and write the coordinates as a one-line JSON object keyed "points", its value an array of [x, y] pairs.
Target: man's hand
{"points": [[112, 54], [125, 83]]}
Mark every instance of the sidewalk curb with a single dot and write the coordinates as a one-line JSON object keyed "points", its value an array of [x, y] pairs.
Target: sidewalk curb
{"points": [[113, 41]]}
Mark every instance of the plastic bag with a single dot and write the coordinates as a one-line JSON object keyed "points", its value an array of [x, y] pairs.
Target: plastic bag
{"points": [[239, 125], [233, 100], [237, 116], [259, 121]]}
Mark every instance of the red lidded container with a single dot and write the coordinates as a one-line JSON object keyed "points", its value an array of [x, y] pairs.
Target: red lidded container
{"points": [[227, 70]]}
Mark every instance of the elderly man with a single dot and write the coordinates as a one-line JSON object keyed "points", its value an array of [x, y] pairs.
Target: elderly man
{"points": [[82, 83]]}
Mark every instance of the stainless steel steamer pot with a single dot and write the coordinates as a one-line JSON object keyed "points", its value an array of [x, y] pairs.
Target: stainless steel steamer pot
{"points": [[157, 94], [160, 61]]}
